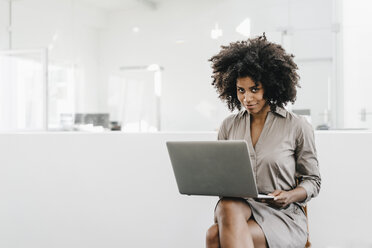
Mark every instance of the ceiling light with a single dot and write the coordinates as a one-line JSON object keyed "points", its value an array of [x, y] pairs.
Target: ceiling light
{"points": [[216, 32], [153, 67], [244, 28]]}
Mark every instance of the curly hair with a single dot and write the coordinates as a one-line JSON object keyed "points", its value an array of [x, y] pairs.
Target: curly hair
{"points": [[263, 62]]}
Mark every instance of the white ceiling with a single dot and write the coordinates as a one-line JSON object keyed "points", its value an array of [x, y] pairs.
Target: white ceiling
{"points": [[115, 5]]}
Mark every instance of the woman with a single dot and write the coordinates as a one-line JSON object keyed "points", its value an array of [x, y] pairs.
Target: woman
{"points": [[260, 77]]}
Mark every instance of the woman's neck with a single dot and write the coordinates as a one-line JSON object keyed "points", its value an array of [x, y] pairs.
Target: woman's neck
{"points": [[260, 117]]}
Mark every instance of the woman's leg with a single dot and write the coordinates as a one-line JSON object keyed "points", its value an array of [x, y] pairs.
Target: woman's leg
{"points": [[259, 241], [213, 240], [232, 215], [258, 236], [235, 228]]}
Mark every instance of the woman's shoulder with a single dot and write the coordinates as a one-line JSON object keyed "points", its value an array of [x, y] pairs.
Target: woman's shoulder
{"points": [[233, 118], [296, 119], [229, 123], [300, 123]]}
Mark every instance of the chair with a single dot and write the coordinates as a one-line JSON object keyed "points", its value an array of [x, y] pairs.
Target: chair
{"points": [[308, 244]]}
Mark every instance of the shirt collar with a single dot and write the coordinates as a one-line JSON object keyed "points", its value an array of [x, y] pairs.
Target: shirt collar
{"points": [[280, 111]]}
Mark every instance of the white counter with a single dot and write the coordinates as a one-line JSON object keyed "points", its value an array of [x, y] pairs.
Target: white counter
{"points": [[89, 190]]}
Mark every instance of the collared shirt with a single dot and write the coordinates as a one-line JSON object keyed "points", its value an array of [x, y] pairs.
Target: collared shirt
{"points": [[284, 154]]}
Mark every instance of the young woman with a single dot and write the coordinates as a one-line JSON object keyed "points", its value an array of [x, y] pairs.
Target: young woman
{"points": [[259, 78]]}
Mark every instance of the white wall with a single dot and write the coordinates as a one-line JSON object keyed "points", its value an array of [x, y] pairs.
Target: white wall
{"points": [[189, 102], [118, 190], [83, 190], [341, 215]]}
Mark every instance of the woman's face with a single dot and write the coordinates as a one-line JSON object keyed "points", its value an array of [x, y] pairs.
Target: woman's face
{"points": [[250, 95]]}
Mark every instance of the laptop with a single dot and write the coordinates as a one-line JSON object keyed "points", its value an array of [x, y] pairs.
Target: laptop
{"points": [[213, 168]]}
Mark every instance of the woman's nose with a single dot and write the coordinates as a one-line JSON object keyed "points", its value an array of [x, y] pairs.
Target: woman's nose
{"points": [[247, 97]]}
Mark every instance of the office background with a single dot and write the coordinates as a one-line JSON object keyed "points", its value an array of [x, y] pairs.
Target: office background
{"points": [[145, 63], [90, 91]]}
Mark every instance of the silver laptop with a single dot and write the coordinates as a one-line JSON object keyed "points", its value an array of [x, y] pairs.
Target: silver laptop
{"points": [[214, 168]]}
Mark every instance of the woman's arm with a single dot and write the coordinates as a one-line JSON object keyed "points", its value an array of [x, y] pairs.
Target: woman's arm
{"points": [[307, 167], [307, 171]]}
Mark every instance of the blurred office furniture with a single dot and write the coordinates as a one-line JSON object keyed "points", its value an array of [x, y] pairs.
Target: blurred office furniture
{"points": [[115, 126], [67, 121], [97, 119], [363, 114], [326, 116], [303, 112], [76, 122]]}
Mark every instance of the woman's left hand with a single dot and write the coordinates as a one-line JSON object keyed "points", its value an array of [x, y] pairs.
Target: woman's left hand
{"points": [[281, 199]]}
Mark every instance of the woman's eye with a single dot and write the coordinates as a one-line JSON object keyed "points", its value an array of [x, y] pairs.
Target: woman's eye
{"points": [[254, 89], [241, 90]]}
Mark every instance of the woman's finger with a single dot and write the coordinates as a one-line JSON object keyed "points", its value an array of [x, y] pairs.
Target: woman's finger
{"points": [[280, 196], [275, 193]]}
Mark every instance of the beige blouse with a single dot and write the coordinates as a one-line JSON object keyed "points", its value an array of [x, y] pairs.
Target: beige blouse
{"points": [[284, 155], [285, 151]]}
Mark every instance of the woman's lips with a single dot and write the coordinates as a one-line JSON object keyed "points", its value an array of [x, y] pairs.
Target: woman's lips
{"points": [[250, 106]]}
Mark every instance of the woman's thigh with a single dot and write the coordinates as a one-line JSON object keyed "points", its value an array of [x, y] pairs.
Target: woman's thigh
{"points": [[232, 208], [237, 208]]}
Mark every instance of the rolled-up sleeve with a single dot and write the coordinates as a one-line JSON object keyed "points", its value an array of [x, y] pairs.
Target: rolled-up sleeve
{"points": [[307, 166]]}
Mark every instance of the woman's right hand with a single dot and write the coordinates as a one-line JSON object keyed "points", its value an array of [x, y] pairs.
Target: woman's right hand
{"points": [[281, 199]]}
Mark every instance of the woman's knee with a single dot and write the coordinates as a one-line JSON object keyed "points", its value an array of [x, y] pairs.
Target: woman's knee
{"points": [[228, 207], [212, 235]]}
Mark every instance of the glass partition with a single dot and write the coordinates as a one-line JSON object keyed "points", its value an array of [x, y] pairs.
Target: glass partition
{"points": [[23, 90], [100, 53], [134, 98]]}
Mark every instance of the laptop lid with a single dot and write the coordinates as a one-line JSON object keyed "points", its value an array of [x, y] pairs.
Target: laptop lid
{"points": [[214, 168]]}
